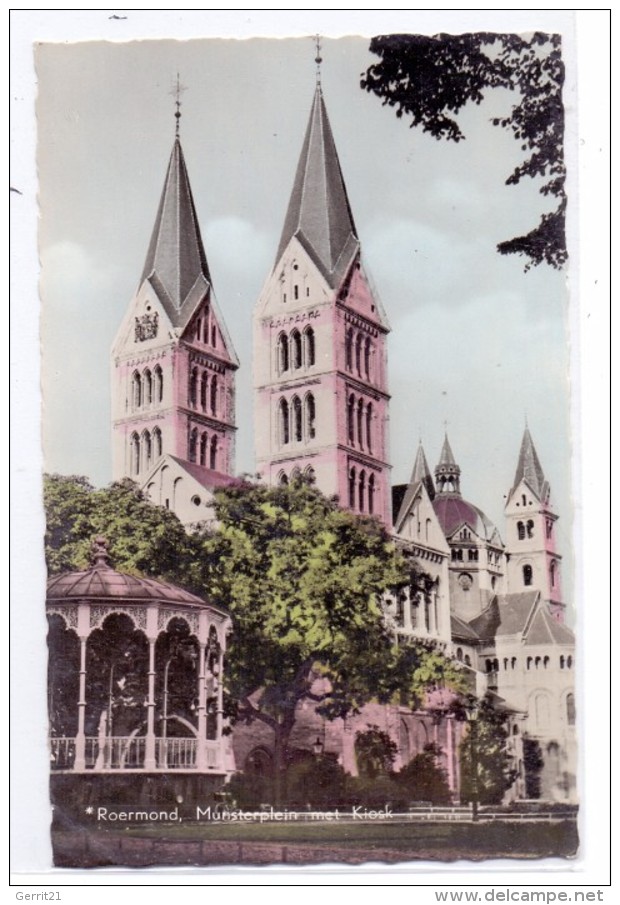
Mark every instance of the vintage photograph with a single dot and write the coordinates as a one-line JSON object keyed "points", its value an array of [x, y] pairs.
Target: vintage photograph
{"points": [[305, 377]]}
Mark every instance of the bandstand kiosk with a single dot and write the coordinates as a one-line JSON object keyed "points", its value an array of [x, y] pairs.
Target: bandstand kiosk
{"points": [[135, 689]]}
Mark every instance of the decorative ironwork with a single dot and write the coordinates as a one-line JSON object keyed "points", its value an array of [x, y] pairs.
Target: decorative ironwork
{"points": [[136, 614], [68, 613], [146, 327], [165, 615]]}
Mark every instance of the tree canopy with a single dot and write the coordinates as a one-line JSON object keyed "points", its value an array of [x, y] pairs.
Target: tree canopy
{"points": [[430, 79], [142, 539], [487, 769], [304, 581]]}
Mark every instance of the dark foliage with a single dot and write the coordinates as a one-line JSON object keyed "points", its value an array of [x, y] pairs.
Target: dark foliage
{"points": [[430, 79], [423, 779]]}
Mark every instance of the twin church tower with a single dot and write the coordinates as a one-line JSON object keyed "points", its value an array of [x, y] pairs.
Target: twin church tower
{"points": [[321, 400], [320, 383]]}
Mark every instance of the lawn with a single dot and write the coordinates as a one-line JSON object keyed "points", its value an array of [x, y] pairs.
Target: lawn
{"points": [[525, 840]]}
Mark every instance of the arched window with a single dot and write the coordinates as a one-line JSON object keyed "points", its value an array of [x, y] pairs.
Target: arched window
{"points": [[310, 417], [204, 440], [369, 427], [309, 347], [352, 488], [358, 353], [198, 328], [530, 528], [193, 443], [505, 662], [360, 422], [135, 454], [297, 420], [282, 353], [282, 479], [371, 494], [570, 709], [136, 390], [552, 569], [310, 474], [348, 349], [527, 575], [569, 662], [147, 387], [204, 390], [367, 358], [351, 419], [467, 660], [214, 395], [513, 662], [193, 387], [530, 660], [205, 332], [283, 422], [213, 336], [158, 384], [521, 530], [362, 490], [147, 450], [296, 355], [545, 662], [459, 653], [213, 453], [157, 444]]}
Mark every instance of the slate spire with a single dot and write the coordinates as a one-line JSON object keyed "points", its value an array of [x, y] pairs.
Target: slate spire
{"points": [[421, 473], [447, 472], [319, 214], [176, 263], [529, 468]]}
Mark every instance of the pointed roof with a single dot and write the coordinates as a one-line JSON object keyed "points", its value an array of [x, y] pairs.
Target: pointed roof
{"points": [[447, 456], [421, 472], [176, 264], [319, 214], [529, 468], [420, 475]]}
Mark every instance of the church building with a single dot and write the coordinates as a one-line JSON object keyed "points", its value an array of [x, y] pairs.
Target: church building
{"points": [[321, 408]]}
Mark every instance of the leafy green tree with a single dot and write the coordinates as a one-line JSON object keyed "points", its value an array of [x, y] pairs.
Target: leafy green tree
{"points": [[142, 539], [533, 762], [424, 779], [375, 752], [430, 79], [487, 770], [304, 580]]}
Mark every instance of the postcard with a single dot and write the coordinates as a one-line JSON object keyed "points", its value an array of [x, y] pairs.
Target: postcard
{"points": [[305, 359]]}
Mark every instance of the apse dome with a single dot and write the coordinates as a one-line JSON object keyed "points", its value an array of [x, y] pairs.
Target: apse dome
{"points": [[453, 511]]}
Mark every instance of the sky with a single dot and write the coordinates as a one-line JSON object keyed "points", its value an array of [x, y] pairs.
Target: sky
{"points": [[477, 344], [474, 341]]}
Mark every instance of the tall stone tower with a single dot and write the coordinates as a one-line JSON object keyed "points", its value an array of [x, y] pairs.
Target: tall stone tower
{"points": [[173, 365], [533, 560], [321, 400]]}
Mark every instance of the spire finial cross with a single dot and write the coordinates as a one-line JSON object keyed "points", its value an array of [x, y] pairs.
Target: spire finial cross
{"points": [[176, 92], [318, 59]]}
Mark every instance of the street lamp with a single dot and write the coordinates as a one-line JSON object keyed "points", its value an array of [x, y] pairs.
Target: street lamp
{"points": [[317, 747], [472, 711]]}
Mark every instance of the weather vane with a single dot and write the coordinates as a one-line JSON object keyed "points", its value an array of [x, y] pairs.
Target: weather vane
{"points": [[176, 92], [318, 58]]}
